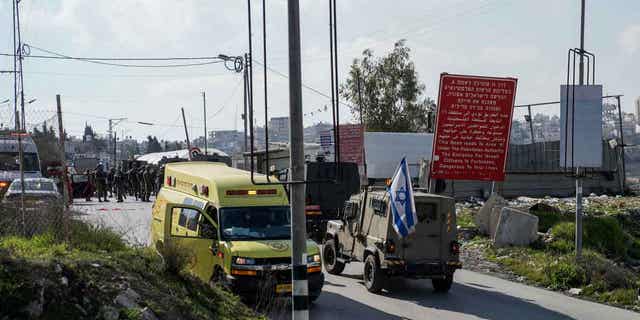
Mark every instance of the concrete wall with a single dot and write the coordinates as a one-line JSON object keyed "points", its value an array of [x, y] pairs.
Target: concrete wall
{"points": [[536, 185]]}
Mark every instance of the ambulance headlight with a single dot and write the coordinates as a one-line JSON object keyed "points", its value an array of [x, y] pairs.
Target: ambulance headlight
{"points": [[313, 258], [244, 261]]}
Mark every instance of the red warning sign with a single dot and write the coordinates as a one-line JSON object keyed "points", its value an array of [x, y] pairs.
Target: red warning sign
{"points": [[473, 127]]}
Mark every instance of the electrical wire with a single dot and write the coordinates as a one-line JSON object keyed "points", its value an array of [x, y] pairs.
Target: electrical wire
{"points": [[312, 89], [103, 61]]}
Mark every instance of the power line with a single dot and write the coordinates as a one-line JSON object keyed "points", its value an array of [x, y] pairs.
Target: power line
{"points": [[102, 61], [312, 89]]}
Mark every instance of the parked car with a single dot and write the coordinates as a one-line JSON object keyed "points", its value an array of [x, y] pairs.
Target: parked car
{"points": [[38, 192], [43, 207]]}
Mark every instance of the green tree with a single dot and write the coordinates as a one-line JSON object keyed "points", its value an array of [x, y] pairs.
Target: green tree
{"points": [[48, 146], [153, 145], [392, 96]]}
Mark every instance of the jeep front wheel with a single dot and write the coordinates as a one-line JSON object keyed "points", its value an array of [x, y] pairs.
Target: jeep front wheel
{"points": [[373, 276], [330, 258]]}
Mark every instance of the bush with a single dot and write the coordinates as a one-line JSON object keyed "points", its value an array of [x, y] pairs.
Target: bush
{"points": [[564, 274], [606, 275], [86, 237], [175, 257], [603, 234], [548, 219]]}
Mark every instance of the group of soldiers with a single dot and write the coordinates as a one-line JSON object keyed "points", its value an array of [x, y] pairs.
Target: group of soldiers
{"points": [[139, 181]]}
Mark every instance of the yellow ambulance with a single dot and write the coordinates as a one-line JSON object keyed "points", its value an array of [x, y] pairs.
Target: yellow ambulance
{"points": [[238, 234]]}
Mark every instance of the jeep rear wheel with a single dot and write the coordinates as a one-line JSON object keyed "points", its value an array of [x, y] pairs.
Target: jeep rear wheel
{"points": [[330, 258], [374, 277], [442, 285]]}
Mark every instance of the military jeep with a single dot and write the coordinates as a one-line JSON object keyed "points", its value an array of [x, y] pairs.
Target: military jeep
{"points": [[365, 233]]}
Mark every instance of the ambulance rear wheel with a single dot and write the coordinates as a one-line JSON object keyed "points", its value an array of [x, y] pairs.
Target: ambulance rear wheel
{"points": [[442, 285], [330, 258], [373, 275]]}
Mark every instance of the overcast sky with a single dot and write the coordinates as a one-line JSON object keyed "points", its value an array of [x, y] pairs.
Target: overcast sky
{"points": [[516, 38]]}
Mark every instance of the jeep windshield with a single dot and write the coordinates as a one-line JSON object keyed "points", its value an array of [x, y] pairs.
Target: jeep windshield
{"points": [[255, 223]]}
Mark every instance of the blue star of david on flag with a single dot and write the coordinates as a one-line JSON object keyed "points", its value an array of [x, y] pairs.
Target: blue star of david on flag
{"points": [[403, 206]]}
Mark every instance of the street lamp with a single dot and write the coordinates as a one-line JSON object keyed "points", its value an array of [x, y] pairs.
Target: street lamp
{"points": [[145, 123], [5, 101]]}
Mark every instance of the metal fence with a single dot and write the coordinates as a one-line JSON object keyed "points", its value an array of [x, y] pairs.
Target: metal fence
{"points": [[535, 138]]}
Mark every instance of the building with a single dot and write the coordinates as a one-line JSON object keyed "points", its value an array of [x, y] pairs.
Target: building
{"points": [[279, 129], [637, 105], [229, 141]]}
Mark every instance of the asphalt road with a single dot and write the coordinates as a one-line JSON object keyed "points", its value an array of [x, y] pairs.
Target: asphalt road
{"points": [[473, 295]]}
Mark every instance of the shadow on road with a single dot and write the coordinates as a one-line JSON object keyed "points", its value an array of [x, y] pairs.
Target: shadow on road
{"points": [[472, 300], [335, 306]]}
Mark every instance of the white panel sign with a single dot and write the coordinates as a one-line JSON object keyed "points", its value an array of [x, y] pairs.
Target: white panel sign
{"points": [[584, 148], [384, 150]]}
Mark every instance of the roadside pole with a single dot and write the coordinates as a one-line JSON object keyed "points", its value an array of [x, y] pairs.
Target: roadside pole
{"points": [[204, 106], [578, 239], [298, 220], [63, 161], [186, 133]]}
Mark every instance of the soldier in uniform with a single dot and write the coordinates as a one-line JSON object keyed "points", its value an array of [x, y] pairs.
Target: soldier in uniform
{"points": [[147, 177], [133, 181], [90, 186], [110, 182], [101, 183], [118, 183]]}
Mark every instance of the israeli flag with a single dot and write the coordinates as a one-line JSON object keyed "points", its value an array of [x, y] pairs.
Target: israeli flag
{"points": [[403, 206]]}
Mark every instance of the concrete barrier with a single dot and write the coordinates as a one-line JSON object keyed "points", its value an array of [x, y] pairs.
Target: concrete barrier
{"points": [[516, 228], [483, 217]]}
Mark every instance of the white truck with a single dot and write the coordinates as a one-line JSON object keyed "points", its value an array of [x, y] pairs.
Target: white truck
{"points": [[10, 159]]}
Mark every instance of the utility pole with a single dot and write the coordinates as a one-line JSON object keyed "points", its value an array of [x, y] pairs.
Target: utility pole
{"points": [[19, 117], [112, 144], [533, 139], [296, 135], [63, 162], [245, 77], [578, 239], [186, 133], [204, 106]]}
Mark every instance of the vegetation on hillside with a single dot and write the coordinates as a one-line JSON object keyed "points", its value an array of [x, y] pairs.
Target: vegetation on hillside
{"points": [[95, 275], [609, 270]]}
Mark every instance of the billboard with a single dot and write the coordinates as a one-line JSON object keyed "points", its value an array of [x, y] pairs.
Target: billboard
{"points": [[581, 134], [351, 143], [473, 127]]}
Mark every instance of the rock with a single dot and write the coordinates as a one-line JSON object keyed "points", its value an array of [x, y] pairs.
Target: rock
{"points": [[96, 265], [543, 207], [128, 299], [57, 268], [520, 279], [147, 314], [466, 234], [64, 281], [34, 309], [575, 291], [483, 217], [515, 227], [526, 200], [110, 313]]}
